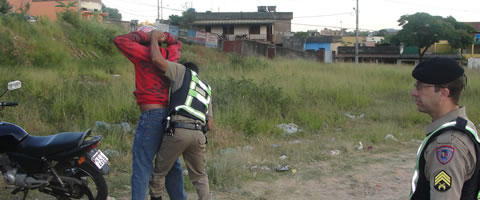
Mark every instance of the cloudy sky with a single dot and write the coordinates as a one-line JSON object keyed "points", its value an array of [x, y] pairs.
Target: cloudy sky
{"points": [[309, 14]]}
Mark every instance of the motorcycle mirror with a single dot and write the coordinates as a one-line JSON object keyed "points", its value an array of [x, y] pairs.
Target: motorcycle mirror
{"points": [[13, 85]]}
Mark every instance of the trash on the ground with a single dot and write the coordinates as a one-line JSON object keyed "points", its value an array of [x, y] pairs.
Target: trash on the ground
{"points": [[282, 157], [116, 75], [185, 172], [226, 150], [266, 168], [359, 146], [289, 129], [335, 152], [276, 145], [104, 126], [111, 153], [295, 142], [247, 148], [280, 168], [354, 116], [294, 171], [369, 148], [391, 137]]}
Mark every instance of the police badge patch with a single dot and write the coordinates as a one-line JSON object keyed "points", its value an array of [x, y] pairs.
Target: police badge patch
{"points": [[445, 154], [443, 181]]}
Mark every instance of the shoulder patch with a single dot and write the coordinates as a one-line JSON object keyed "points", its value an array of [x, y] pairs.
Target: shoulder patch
{"points": [[443, 181], [445, 154]]}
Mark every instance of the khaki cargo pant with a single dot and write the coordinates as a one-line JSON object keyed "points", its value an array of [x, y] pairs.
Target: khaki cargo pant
{"points": [[190, 144]]}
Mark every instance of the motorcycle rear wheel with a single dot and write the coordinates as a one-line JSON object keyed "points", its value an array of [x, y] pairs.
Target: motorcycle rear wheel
{"points": [[94, 185]]}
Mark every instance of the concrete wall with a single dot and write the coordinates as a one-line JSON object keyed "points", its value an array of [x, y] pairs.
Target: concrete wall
{"points": [[251, 48], [217, 30], [280, 29], [239, 30], [91, 5], [474, 63]]}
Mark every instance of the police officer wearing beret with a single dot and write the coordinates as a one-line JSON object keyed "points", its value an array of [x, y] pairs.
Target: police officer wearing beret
{"points": [[447, 166]]}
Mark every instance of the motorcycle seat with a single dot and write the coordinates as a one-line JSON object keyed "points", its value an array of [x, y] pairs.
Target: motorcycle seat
{"points": [[39, 146]]}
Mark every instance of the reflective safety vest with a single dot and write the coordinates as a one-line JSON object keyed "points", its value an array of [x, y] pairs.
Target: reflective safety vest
{"points": [[420, 184], [192, 98]]}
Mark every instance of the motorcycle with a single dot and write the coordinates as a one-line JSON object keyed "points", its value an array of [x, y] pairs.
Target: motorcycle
{"points": [[65, 165]]}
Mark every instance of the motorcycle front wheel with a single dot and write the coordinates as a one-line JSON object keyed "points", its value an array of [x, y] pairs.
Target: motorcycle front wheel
{"points": [[83, 181]]}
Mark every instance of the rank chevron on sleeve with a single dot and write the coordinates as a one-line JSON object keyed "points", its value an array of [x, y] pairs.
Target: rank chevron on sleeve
{"points": [[443, 181]]}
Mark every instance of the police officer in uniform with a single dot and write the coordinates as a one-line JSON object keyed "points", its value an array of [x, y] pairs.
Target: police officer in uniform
{"points": [[190, 116], [447, 160]]}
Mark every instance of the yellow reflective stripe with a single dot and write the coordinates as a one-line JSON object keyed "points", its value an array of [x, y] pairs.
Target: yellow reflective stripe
{"points": [[203, 100], [199, 97], [192, 111], [193, 85], [188, 102], [202, 85]]}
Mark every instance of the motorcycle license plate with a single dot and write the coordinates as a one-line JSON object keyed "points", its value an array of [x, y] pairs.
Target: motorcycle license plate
{"points": [[99, 159]]}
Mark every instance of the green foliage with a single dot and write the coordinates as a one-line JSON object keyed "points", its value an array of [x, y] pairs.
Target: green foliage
{"points": [[113, 13], [70, 4], [423, 30], [175, 20], [301, 34], [4, 7]]}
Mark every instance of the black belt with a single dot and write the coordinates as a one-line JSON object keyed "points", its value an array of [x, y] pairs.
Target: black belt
{"points": [[195, 127]]}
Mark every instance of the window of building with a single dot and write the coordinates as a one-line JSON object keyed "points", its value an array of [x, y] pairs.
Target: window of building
{"points": [[228, 30], [208, 29], [254, 29]]}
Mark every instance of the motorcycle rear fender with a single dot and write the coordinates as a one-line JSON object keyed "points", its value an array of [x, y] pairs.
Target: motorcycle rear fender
{"points": [[80, 150]]}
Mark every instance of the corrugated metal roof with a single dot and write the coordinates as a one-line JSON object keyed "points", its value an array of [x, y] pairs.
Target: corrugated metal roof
{"points": [[232, 22]]}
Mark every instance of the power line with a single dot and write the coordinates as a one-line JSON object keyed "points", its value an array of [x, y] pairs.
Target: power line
{"points": [[349, 13]]}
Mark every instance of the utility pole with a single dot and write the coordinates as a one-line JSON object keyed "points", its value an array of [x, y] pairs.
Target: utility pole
{"points": [[158, 10], [356, 36], [161, 7]]}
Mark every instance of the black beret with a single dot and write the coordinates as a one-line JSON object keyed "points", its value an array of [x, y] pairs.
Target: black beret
{"points": [[437, 71]]}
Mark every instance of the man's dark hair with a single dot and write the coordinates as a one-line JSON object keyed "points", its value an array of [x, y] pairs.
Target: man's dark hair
{"points": [[191, 66], [455, 87]]}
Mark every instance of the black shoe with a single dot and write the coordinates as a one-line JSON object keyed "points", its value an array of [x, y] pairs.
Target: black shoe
{"points": [[155, 198]]}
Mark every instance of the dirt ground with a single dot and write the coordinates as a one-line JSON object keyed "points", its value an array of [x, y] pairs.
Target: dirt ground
{"points": [[377, 175]]}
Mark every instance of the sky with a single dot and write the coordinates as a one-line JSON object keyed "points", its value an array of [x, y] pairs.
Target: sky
{"points": [[309, 14]]}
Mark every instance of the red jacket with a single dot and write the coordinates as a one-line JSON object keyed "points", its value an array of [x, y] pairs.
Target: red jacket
{"points": [[151, 86]]}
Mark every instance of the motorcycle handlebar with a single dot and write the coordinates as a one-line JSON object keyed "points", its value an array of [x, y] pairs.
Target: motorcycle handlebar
{"points": [[8, 104]]}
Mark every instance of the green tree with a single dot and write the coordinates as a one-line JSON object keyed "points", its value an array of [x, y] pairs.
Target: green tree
{"points": [[301, 34], [188, 17], [4, 7], [175, 20], [461, 37], [66, 6], [423, 30], [113, 13]]}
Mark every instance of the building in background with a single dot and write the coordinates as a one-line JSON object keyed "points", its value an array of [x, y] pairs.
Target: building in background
{"points": [[264, 25]]}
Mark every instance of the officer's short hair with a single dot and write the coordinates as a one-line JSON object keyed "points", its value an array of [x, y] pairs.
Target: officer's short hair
{"points": [[191, 66], [455, 87]]}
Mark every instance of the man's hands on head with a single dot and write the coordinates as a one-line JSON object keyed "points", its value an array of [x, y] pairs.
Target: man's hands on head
{"points": [[158, 36]]}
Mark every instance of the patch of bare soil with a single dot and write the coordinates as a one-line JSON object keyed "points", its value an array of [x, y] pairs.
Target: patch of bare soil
{"points": [[364, 175]]}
